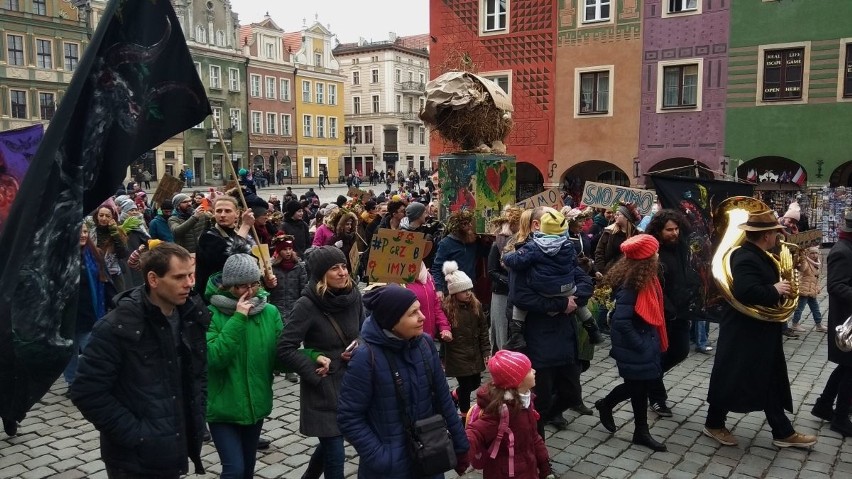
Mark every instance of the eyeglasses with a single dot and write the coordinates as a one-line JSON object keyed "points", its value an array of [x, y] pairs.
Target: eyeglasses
{"points": [[254, 285]]}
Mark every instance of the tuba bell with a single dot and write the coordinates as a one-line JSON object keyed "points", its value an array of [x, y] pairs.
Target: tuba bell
{"points": [[843, 339], [726, 218]]}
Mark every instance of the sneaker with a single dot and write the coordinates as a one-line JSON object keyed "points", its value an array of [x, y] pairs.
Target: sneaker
{"points": [[705, 349], [790, 334], [797, 327], [820, 328], [661, 409], [796, 440], [723, 436]]}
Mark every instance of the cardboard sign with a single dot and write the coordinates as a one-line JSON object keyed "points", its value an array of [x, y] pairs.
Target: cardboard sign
{"points": [[603, 195], [551, 197], [396, 256], [806, 239], [359, 194], [167, 188]]}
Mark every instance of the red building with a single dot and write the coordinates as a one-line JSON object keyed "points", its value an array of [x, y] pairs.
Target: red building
{"points": [[516, 49]]}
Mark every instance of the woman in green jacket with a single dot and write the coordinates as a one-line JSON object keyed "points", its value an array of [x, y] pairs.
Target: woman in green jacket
{"points": [[241, 346]]}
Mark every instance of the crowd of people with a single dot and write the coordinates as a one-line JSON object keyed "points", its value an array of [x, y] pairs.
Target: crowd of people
{"points": [[183, 330]]}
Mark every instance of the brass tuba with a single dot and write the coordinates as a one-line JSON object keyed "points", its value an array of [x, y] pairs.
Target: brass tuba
{"points": [[731, 213]]}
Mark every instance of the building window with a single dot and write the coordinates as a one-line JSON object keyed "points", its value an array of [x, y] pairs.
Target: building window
{"points": [[255, 85], [271, 88], [19, 103], [677, 6], [596, 11], [368, 134], [594, 92], [356, 106], [374, 76], [220, 38], [320, 93], [783, 71], [15, 49], [271, 122], [680, 86], [233, 79], [11, 5], [332, 127], [422, 135], [613, 177], [306, 91], [494, 15], [318, 59], [375, 103], [502, 80], [399, 104], [46, 105], [286, 125], [410, 135], [72, 56], [44, 53], [217, 116], [356, 78], [236, 119], [410, 104], [357, 135], [256, 122], [309, 166], [197, 69], [398, 76], [422, 78], [285, 88], [215, 77], [200, 34], [410, 75], [847, 72], [320, 127], [306, 125], [40, 7], [332, 94]]}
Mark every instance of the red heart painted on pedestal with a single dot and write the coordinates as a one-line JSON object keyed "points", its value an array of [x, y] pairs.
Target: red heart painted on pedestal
{"points": [[492, 177]]}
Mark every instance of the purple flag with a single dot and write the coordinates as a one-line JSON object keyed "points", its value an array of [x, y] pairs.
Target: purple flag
{"points": [[17, 148]]}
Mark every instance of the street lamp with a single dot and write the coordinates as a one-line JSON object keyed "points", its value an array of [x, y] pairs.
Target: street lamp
{"points": [[350, 138]]}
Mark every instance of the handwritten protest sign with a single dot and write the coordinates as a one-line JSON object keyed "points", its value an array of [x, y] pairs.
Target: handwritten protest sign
{"points": [[806, 239], [166, 189], [603, 195], [395, 256], [551, 197]]}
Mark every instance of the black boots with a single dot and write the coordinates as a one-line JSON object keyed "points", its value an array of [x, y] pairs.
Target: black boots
{"points": [[642, 437], [823, 410], [593, 331], [605, 413], [516, 340]]}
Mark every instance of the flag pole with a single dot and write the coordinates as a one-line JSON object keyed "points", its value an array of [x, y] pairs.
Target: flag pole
{"points": [[267, 267]]}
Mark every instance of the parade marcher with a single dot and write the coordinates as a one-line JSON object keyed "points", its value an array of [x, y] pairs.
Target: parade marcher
{"points": [[295, 226], [159, 227], [111, 242], [681, 296], [326, 318], [607, 250], [142, 379], [458, 245], [344, 236], [638, 334], [750, 370], [188, 224], [809, 268], [395, 214], [137, 235], [505, 226], [436, 324], [838, 388], [241, 345], [369, 410], [221, 240], [504, 442], [292, 278]]}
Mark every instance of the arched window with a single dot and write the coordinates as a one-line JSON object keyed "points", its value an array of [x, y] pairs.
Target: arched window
{"points": [[614, 177], [200, 34], [220, 38]]}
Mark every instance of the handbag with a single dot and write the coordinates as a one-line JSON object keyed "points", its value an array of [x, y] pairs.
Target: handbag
{"points": [[430, 444]]}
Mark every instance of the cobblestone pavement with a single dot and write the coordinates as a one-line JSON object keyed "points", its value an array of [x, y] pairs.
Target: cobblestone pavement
{"points": [[54, 441]]}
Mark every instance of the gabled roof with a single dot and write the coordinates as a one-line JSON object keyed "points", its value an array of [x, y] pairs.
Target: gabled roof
{"points": [[244, 36], [318, 28], [268, 23], [292, 42]]}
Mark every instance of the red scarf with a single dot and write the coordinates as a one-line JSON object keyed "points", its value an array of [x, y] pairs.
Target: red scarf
{"points": [[649, 307], [287, 264]]}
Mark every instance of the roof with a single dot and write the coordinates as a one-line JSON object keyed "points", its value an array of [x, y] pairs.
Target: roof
{"points": [[414, 44], [421, 41], [293, 42]]}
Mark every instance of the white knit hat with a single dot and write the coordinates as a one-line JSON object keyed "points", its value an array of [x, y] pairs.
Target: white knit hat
{"points": [[457, 280]]}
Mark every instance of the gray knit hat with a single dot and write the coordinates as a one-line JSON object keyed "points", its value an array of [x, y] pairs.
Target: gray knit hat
{"points": [[240, 269], [176, 199], [414, 211]]}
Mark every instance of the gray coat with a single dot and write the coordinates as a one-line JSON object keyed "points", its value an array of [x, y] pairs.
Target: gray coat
{"points": [[309, 324], [289, 289], [839, 285], [187, 230]]}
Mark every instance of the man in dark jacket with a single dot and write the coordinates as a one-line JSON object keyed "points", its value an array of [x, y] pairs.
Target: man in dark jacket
{"points": [[295, 226], [142, 380], [750, 371], [681, 298]]}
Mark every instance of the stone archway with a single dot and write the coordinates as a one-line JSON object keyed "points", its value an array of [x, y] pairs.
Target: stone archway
{"points": [[773, 173], [683, 167], [841, 176], [529, 180]]}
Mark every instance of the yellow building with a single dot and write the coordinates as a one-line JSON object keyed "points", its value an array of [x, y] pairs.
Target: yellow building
{"points": [[319, 105]]}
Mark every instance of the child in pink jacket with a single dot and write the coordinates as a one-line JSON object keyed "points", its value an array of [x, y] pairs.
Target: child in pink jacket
{"points": [[436, 321]]}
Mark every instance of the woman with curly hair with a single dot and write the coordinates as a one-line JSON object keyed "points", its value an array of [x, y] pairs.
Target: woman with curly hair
{"points": [[111, 242], [638, 334], [458, 245]]}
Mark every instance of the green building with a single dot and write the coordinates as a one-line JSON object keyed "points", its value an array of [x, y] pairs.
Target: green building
{"points": [[789, 99], [41, 42]]}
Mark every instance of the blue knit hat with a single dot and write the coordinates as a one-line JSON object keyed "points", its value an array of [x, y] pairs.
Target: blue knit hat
{"points": [[388, 304]]}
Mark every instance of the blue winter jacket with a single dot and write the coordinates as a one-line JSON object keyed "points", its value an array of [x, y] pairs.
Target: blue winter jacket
{"points": [[368, 411], [551, 265], [452, 249], [635, 343], [159, 229]]}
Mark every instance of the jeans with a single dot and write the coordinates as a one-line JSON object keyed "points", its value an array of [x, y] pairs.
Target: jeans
{"points": [[327, 459], [814, 305], [700, 330], [237, 448], [80, 341]]}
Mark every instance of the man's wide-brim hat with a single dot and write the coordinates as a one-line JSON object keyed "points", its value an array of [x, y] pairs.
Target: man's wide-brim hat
{"points": [[761, 221], [846, 226]]}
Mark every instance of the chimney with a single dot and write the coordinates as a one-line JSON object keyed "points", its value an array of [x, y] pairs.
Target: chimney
{"points": [[392, 37]]}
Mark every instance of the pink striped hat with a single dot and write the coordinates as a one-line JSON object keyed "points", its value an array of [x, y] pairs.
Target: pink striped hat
{"points": [[508, 368]]}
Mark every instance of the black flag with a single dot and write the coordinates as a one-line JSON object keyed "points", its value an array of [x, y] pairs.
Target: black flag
{"points": [[135, 87]]}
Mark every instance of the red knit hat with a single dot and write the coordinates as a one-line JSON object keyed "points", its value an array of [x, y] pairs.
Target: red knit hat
{"points": [[508, 368], [640, 246]]}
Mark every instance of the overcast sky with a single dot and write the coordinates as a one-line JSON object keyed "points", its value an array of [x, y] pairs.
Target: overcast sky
{"points": [[349, 19]]}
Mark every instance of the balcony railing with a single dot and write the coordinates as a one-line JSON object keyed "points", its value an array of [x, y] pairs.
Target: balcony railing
{"points": [[410, 117], [213, 135], [413, 86]]}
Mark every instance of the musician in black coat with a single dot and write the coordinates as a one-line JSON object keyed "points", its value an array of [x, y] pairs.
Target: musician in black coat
{"points": [[750, 371]]}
